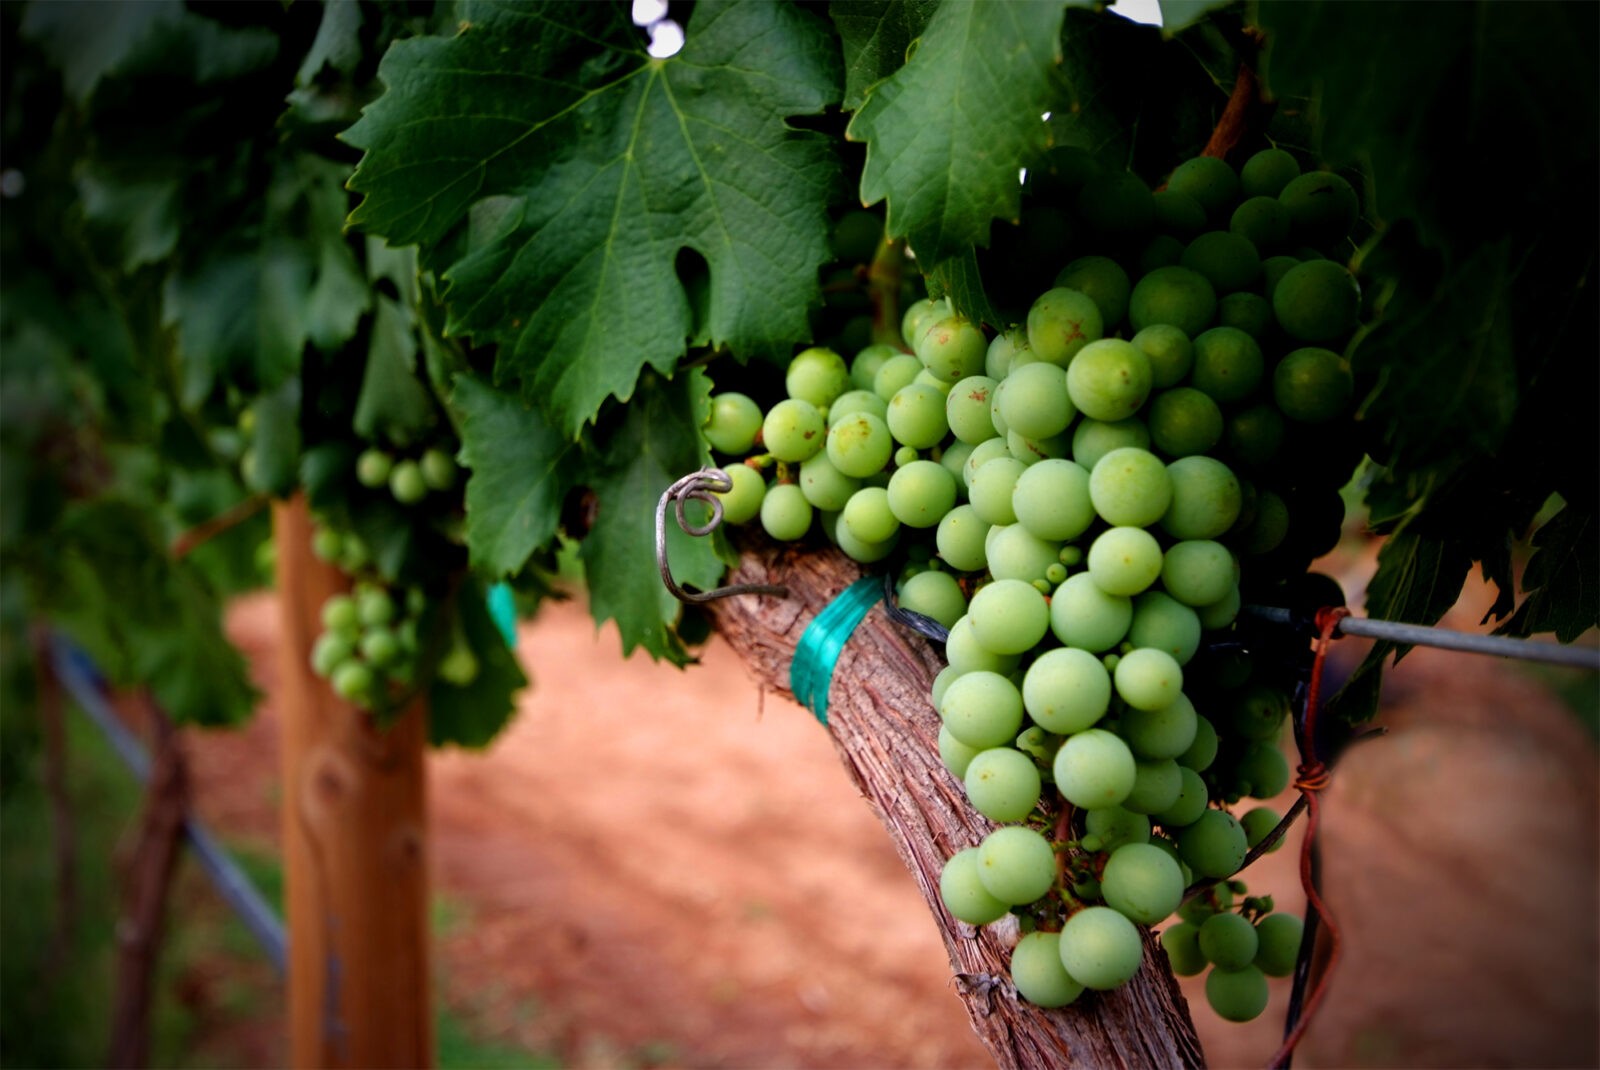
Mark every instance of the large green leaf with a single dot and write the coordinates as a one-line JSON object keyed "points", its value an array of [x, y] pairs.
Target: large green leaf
{"points": [[470, 715], [657, 442], [1562, 578], [619, 163], [394, 404], [875, 35], [948, 133], [522, 467]]}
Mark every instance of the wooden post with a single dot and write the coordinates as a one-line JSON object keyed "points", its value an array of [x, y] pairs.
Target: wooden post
{"points": [[354, 844]]}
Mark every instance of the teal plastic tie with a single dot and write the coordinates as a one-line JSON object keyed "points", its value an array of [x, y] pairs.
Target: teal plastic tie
{"points": [[811, 672], [503, 608]]}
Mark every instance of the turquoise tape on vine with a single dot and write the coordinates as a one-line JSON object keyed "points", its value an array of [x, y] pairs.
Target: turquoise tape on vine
{"points": [[503, 609], [811, 672]]}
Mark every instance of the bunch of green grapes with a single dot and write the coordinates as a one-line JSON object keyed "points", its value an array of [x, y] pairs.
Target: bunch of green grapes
{"points": [[1085, 500], [409, 479], [368, 647]]}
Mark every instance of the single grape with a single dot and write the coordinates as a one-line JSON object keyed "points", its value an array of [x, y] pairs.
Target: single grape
{"points": [[963, 652], [1267, 172], [1245, 311], [353, 681], [330, 651], [1312, 385], [327, 544], [1263, 767], [1198, 572], [1273, 269], [1182, 945], [1203, 751], [1228, 941], [1170, 351], [1104, 281], [1179, 213], [1228, 261], [459, 666], [990, 490], [1255, 435], [934, 594], [917, 416], [859, 445], [1278, 938], [1130, 486], [1184, 421], [817, 375], [1206, 499], [1189, 806], [793, 430], [1066, 690], [1213, 846], [1221, 613], [1316, 301], [380, 647], [952, 348], [1322, 207], [1263, 221], [895, 374], [341, 616], [857, 401], [920, 315], [1060, 323], [1007, 347], [1116, 204], [858, 549], [1157, 784], [1166, 624], [785, 513], [1209, 180], [439, 469], [742, 503], [1114, 826], [956, 755], [1228, 364], [1008, 617], [733, 423], [982, 709], [823, 485], [867, 515], [373, 467], [1149, 679], [960, 538], [1094, 768], [1142, 883], [964, 894], [1002, 784], [1085, 616], [921, 493], [1176, 296], [1100, 948], [1037, 971], [864, 366], [966, 409], [1109, 379], [1258, 824], [1163, 732], [374, 607], [1016, 865], [1124, 560], [406, 483], [1031, 451], [1035, 403], [1093, 439], [1161, 251], [1236, 995], [1051, 499]]}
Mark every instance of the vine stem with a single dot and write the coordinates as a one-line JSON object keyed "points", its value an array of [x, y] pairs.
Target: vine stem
{"points": [[884, 276], [1244, 104], [230, 517]]}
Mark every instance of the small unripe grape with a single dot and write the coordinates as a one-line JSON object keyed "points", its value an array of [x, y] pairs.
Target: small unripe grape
{"points": [[406, 483], [817, 375], [1100, 948], [373, 467], [438, 469]]}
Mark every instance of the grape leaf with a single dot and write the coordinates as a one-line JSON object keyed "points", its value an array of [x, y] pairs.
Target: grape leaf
{"points": [[277, 439], [948, 133], [141, 217], [656, 443], [522, 467], [958, 278], [620, 161], [1177, 15], [471, 715], [393, 403], [875, 35], [1562, 578]]}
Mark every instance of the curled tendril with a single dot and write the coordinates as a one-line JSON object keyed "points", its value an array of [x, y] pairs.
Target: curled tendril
{"points": [[701, 486]]}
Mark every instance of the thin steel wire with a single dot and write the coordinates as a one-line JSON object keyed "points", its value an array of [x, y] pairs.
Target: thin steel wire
{"points": [[701, 486], [1446, 639]]}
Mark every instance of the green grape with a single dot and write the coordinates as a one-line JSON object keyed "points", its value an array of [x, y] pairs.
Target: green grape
{"points": [[916, 416], [1263, 767], [982, 709], [1179, 213], [733, 423], [1130, 486], [1004, 350], [823, 485], [1203, 751], [1213, 846], [1109, 379], [1037, 971], [897, 372], [920, 315], [374, 607], [1157, 784], [1015, 553], [1273, 269], [438, 469], [990, 489], [406, 483], [1116, 204], [1228, 261], [1255, 435], [1322, 207], [1066, 690], [927, 378], [793, 430], [954, 458], [380, 647], [1035, 403], [785, 513], [1166, 624], [1258, 825], [1236, 995], [867, 515], [1312, 385], [1060, 323], [341, 616], [1209, 181], [1221, 613], [330, 651], [373, 467], [1316, 301], [1104, 281], [966, 409], [1170, 351], [857, 401], [1016, 865], [1003, 784], [1258, 712], [1247, 312], [859, 445], [1142, 883], [1183, 421], [963, 652], [1268, 529], [742, 503], [1031, 451], [460, 666], [1263, 221], [1228, 941], [960, 538], [1161, 251], [1213, 900], [956, 755], [353, 681], [964, 894], [921, 493], [858, 549], [1267, 172], [1093, 439], [817, 375], [1190, 804], [934, 594], [1008, 617], [327, 544], [1051, 500], [1198, 572], [250, 468], [1278, 938], [1182, 945], [1085, 616], [1124, 560], [1228, 364], [864, 366], [1100, 948], [1114, 826], [1161, 732], [1175, 296], [1206, 499], [1094, 768], [952, 348]]}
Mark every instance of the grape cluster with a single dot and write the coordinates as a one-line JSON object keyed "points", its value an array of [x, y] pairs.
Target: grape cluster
{"points": [[368, 646], [409, 479], [1084, 500]]}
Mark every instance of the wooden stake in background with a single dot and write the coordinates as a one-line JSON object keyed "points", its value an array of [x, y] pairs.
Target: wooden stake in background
{"points": [[354, 843]]}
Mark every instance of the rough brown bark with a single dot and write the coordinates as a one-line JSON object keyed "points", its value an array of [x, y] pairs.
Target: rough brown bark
{"points": [[886, 732]]}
